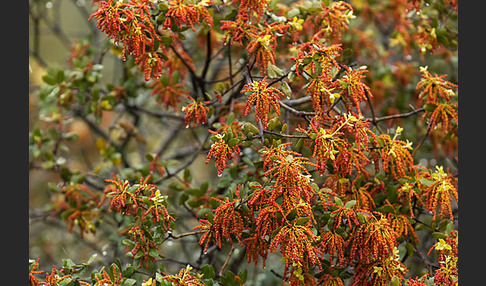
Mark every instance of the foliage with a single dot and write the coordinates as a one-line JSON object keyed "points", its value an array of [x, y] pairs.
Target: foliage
{"points": [[316, 140]]}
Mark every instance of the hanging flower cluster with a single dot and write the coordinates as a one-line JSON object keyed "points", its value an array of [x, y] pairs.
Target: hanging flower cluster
{"points": [[381, 273], [434, 87], [168, 92], [130, 24], [395, 154], [263, 97], [353, 90], [333, 145], [143, 245], [77, 204], [264, 42], [227, 220], [316, 55], [196, 112], [184, 277], [146, 203], [127, 199], [448, 250], [237, 30], [113, 278], [252, 6], [289, 223], [332, 20], [222, 150], [179, 12], [440, 100], [440, 193]]}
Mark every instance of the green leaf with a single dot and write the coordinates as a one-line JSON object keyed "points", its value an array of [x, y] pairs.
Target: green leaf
{"points": [[271, 71], [350, 204], [243, 274], [153, 252], [395, 281], [129, 282], [163, 56], [204, 186], [248, 127], [302, 220], [438, 235], [292, 214], [430, 107], [48, 165], [247, 143], [292, 13], [409, 248], [449, 227], [426, 182], [187, 175], [273, 123], [387, 209], [194, 203], [149, 157], [65, 282], [163, 7], [138, 255], [158, 277], [49, 80], [208, 271], [165, 283], [338, 201], [128, 272], [299, 144], [65, 214], [68, 263], [229, 279], [195, 192], [342, 232], [276, 231], [233, 142], [92, 258], [60, 76]]}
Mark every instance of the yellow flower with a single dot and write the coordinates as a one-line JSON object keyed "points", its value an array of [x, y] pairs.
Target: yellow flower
{"points": [[148, 283]]}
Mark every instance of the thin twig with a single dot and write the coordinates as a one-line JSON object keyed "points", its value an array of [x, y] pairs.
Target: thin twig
{"points": [[155, 113], [294, 111], [401, 115], [372, 111], [261, 131], [208, 56], [170, 235], [189, 68], [276, 274], [285, 135], [227, 260], [297, 101], [429, 127], [230, 65]]}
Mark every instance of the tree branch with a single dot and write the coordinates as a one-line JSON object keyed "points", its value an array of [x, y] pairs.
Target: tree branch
{"points": [[285, 135], [429, 127], [401, 115], [227, 260], [208, 56]]}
